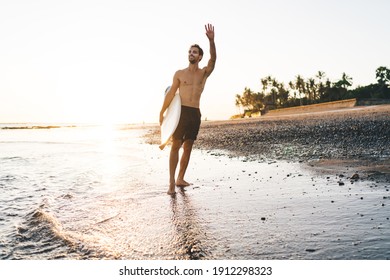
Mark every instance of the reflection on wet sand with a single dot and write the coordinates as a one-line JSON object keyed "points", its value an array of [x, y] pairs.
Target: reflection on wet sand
{"points": [[187, 230]]}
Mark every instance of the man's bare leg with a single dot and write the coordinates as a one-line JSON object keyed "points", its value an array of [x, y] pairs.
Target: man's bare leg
{"points": [[173, 160], [185, 158]]}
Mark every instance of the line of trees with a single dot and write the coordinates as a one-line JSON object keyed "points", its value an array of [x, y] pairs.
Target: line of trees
{"points": [[275, 94]]}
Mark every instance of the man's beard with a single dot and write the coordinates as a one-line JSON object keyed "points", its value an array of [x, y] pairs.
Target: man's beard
{"points": [[192, 60]]}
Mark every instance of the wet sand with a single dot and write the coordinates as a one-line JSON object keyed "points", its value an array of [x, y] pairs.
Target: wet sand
{"points": [[241, 210], [309, 186]]}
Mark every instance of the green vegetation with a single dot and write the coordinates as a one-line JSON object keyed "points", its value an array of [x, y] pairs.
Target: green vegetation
{"points": [[274, 95]]}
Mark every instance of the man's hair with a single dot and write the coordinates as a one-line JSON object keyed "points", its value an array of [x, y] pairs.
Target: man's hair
{"points": [[199, 48]]}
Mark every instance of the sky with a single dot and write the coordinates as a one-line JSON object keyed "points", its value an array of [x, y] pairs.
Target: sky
{"points": [[109, 61]]}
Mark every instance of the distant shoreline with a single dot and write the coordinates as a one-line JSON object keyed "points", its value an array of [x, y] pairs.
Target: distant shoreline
{"points": [[24, 126], [36, 127]]}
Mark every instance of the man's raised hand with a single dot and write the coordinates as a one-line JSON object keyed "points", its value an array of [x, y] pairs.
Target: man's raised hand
{"points": [[209, 31]]}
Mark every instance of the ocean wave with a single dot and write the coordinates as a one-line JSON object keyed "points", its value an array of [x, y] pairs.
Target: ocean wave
{"points": [[38, 127], [41, 236], [39, 142], [8, 178], [16, 158]]}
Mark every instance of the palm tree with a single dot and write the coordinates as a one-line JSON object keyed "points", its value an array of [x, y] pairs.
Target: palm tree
{"points": [[345, 82], [321, 88], [320, 75], [258, 99], [292, 87], [245, 100], [283, 94], [238, 100], [264, 83], [300, 86], [248, 98], [342, 85], [311, 89], [382, 75]]}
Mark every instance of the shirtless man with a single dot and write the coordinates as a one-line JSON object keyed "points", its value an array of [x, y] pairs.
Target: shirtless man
{"points": [[190, 82]]}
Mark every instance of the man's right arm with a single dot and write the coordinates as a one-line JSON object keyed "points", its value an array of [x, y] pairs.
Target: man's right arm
{"points": [[170, 95]]}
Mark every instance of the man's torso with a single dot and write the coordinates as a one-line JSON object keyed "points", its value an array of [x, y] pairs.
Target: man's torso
{"points": [[191, 86]]}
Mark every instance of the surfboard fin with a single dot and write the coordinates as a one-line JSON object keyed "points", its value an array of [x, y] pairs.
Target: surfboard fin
{"points": [[162, 146]]}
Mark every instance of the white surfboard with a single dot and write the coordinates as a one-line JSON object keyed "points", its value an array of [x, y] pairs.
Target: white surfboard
{"points": [[171, 119]]}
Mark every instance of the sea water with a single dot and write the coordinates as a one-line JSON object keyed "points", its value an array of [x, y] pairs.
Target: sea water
{"points": [[99, 192], [52, 181]]}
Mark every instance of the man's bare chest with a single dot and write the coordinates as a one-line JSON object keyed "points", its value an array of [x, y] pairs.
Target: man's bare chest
{"points": [[192, 79]]}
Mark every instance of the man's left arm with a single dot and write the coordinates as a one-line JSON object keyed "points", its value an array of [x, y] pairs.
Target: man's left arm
{"points": [[213, 52]]}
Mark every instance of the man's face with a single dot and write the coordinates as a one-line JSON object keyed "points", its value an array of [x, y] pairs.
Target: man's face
{"points": [[193, 55]]}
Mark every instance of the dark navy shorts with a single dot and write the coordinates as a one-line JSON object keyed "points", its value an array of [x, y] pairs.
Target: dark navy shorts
{"points": [[189, 124]]}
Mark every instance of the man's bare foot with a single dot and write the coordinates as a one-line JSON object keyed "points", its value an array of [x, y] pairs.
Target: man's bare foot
{"points": [[171, 190], [182, 183]]}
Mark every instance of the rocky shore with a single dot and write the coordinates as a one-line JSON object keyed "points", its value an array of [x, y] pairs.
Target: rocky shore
{"points": [[358, 137]]}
